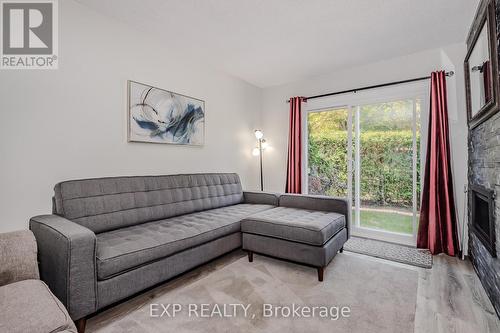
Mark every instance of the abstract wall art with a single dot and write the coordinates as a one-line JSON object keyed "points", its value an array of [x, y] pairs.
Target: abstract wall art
{"points": [[160, 116]]}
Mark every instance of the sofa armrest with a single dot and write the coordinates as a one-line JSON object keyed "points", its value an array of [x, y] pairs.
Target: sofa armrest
{"points": [[262, 198], [67, 256], [18, 257], [318, 202]]}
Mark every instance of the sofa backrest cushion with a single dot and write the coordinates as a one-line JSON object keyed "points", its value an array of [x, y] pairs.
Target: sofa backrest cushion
{"points": [[104, 204]]}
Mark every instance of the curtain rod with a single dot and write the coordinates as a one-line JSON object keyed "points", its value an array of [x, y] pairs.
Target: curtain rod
{"points": [[451, 73]]}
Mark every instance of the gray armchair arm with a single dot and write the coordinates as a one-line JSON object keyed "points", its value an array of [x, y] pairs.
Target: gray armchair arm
{"points": [[263, 198], [317, 202], [67, 255], [17, 257]]}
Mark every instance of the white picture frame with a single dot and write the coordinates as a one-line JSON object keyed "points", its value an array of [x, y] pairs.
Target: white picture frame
{"points": [[157, 115]]}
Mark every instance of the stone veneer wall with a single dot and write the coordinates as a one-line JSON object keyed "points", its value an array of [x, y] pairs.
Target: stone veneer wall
{"points": [[484, 170]]}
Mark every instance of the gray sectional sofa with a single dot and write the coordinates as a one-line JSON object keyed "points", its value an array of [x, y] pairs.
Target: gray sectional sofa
{"points": [[110, 238]]}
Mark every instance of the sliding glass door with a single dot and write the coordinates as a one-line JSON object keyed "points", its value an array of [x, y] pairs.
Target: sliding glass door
{"points": [[369, 153]]}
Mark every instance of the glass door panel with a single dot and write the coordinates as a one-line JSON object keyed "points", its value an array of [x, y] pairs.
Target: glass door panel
{"points": [[327, 154], [387, 163]]}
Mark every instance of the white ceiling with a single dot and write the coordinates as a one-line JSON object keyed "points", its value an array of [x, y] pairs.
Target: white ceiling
{"points": [[271, 42]]}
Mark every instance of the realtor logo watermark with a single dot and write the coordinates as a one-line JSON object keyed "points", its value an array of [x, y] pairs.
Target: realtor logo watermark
{"points": [[29, 34], [232, 310]]}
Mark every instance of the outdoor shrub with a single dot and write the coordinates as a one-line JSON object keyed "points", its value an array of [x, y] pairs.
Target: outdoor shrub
{"points": [[386, 166]]}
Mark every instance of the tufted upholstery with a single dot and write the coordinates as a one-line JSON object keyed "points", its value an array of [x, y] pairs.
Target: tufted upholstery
{"points": [[297, 225], [125, 248], [105, 204]]}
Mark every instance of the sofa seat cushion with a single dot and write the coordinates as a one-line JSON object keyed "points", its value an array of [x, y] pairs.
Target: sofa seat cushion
{"points": [[298, 225], [123, 249], [29, 306]]}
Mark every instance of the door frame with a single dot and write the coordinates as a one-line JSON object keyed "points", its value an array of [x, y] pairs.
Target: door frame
{"points": [[353, 101]]}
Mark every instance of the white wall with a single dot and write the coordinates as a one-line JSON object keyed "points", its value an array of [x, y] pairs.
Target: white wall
{"points": [[71, 122], [275, 110]]}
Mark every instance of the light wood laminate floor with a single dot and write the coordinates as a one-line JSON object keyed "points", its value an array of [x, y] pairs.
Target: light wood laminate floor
{"points": [[451, 299]]}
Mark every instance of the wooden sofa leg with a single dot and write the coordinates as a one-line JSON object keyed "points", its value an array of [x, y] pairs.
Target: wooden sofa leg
{"points": [[341, 249], [80, 324], [250, 256], [321, 271]]}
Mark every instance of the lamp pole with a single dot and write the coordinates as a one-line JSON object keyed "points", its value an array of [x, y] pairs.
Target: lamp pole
{"points": [[261, 173], [260, 148]]}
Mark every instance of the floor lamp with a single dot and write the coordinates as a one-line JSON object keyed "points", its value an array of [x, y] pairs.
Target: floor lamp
{"points": [[257, 151]]}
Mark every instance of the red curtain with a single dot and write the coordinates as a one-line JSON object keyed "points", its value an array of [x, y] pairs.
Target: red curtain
{"points": [[437, 230], [294, 164]]}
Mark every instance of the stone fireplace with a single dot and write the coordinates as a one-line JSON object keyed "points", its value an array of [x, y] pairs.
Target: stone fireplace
{"points": [[484, 174], [482, 211]]}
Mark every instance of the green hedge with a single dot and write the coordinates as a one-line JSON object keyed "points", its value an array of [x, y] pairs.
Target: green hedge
{"points": [[386, 166]]}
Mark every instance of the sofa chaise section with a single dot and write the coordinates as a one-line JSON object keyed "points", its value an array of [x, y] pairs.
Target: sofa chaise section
{"points": [[298, 225], [304, 229]]}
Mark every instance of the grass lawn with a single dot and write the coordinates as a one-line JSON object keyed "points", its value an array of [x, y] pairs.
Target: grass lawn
{"points": [[390, 221]]}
